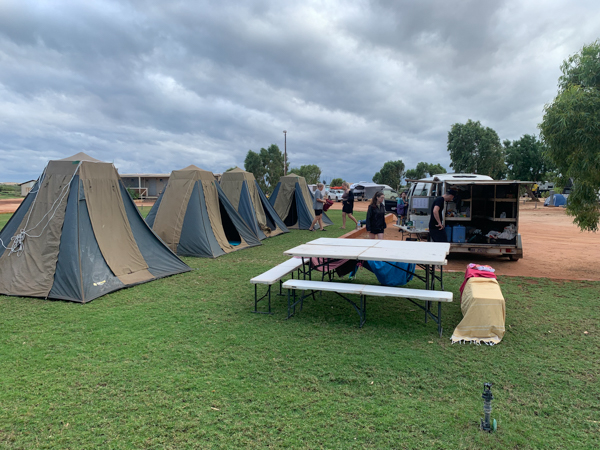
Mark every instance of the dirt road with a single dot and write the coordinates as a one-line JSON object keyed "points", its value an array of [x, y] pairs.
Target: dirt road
{"points": [[9, 205]]}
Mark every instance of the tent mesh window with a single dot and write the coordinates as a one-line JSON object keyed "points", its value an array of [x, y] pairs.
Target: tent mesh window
{"points": [[231, 233], [292, 217]]}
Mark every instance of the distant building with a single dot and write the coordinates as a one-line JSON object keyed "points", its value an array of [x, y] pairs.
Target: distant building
{"points": [[148, 185], [26, 187]]}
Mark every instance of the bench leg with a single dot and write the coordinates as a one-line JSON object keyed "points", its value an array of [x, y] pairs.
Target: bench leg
{"points": [[440, 318], [256, 300], [363, 307]]}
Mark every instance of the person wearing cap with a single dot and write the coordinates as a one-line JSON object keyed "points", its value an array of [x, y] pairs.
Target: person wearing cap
{"points": [[436, 226]]}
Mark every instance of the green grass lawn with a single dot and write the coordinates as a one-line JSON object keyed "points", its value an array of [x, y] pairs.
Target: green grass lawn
{"points": [[182, 363]]}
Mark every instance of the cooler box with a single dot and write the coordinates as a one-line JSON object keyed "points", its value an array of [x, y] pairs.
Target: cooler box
{"points": [[458, 234], [421, 224], [448, 233]]}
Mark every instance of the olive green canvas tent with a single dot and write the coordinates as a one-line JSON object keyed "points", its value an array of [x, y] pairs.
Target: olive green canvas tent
{"points": [[194, 217], [248, 199], [293, 202], [78, 235]]}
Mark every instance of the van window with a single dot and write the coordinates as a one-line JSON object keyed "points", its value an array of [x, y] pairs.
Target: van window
{"points": [[422, 189]]}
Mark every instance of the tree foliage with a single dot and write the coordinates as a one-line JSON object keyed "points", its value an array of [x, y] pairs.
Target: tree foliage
{"points": [[571, 130], [423, 170], [476, 149], [391, 174], [336, 182], [266, 166], [310, 172], [254, 164], [526, 159]]}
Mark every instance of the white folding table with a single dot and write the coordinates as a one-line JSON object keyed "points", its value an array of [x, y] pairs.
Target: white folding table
{"points": [[426, 255]]}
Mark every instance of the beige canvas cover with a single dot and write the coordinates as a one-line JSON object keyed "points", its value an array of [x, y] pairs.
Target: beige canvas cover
{"points": [[287, 190], [31, 273], [80, 157], [172, 209], [110, 224], [231, 183], [483, 308], [170, 215]]}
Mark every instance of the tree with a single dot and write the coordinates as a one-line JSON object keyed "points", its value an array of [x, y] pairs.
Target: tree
{"points": [[391, 173], [253, 164], [525, 160], [272, 159], [336, 182], [231, 168], [310, 172], [475, 149], [435, 169], [571, 130], [423, 170], [266, 166]]}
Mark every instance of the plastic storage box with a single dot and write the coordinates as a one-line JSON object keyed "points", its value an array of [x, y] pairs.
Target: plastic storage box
{"points": [[458, 234], [448, 229]]}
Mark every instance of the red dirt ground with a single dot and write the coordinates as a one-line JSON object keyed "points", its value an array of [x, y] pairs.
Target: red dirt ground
{"points": [[9, 205], [553, 246]]}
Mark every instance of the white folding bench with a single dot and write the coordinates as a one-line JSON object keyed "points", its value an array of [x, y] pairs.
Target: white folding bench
{"points": [[272, 276], [364, 290]]}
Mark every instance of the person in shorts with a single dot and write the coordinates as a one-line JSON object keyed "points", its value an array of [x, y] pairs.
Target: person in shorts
{"points": [[318, 203], [347, 204]]}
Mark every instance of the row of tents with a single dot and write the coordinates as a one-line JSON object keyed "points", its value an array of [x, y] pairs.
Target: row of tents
{"points": [[78, 234]]}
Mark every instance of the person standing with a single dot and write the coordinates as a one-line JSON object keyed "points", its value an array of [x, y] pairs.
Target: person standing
{"points": [[347, 204], [376, 216], [401, 208], [318, 203], [436, 226]]}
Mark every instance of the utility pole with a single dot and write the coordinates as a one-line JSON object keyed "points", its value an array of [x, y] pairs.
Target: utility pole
{"points": [[284, 152]]}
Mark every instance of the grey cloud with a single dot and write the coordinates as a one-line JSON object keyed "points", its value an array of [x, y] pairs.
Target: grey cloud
{"points": [[156, 86]]}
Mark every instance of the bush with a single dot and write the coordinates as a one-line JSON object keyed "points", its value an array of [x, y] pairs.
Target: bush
{"points": [[135, 195], [10, 190]]}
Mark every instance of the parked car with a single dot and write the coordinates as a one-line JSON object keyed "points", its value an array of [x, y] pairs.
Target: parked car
{"points": [[335, 195], [391, 199]]}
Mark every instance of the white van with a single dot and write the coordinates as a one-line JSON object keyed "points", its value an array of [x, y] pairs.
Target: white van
{"points": [[485, 207]]}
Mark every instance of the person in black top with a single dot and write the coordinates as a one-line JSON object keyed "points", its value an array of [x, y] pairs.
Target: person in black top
{"points": [[436, 226], [376, 217], [348, 204]]}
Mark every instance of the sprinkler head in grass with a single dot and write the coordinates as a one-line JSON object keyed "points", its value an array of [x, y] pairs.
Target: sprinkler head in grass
{"points": [[487, 397]]}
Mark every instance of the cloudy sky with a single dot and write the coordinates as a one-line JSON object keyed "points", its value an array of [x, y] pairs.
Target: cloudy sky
{"points": [[157, 85]]}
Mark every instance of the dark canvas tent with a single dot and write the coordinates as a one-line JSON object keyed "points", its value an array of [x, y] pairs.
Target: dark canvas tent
{"points": [[293, 202], [194, 217], [78, 236], [248, 199]]}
